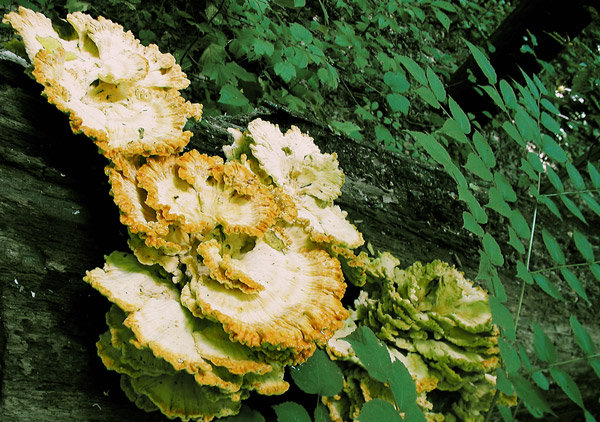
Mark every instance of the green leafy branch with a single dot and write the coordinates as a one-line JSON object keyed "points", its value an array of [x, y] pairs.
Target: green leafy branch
{"points": [[530, 122]]}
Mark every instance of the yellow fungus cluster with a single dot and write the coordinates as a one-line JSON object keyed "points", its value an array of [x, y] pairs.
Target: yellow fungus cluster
{"points": [[230, 279]]}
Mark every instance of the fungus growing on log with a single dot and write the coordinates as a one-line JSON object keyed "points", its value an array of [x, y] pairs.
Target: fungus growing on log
{"points": [[437, 323], [234, 272]]}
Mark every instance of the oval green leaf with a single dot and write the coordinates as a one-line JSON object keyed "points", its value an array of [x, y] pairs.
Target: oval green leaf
{"points": [[436, 85], [582, 338], [583, 246], [378, 410], [573, 281], [548, 286], [483, 63], [543, 346], [567, 384], [318, 375], [492, 250], [291, 412], [553, 247], [459, 115]]}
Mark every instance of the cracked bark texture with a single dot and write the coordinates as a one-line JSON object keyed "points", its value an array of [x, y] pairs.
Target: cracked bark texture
{"points": [[57, 220]]}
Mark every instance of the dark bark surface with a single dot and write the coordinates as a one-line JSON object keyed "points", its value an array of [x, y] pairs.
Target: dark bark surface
{"points": [[57, 220]]}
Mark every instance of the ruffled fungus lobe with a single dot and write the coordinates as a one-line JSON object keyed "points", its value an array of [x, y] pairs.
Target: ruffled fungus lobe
{"points": [[437, 323], [116, 91], [298, 305], [313, 180], [232, 275]]}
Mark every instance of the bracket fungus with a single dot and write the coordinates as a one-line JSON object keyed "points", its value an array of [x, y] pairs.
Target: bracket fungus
{"points": [[234, 271], [437, 323]]}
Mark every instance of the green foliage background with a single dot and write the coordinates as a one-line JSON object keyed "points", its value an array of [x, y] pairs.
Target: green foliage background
{"points": [[377, 71]]}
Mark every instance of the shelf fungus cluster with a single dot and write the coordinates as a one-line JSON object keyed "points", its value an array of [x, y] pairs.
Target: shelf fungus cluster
{"points": [[232, 275], [433, 320]]}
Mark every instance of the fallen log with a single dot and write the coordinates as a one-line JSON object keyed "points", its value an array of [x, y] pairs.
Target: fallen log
{"points": [[57, 220]]}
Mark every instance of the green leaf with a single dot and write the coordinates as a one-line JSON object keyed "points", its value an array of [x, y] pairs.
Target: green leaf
{"points": [[286, 70], [582, 338], [595, 269], [583, 246], [476, 166], [553, 149], [443, 19], [471, 224], [518, 222], [515, 242], [574, 282], [512, 131], [483, 63], [594, 175], [291, 412], [493, 94], [553, 247], [453, 129], [535, 162], [321, 413], [567, 384], [484, 150], [459, 115], [492, 250], [549, 106], [510, 357], [550, 205], [318, 375], [398, 102], [428, 96], [540, 379], [300, 33], [371, 353], [348, 128], [530, 394], [414, 69], [328, 76], [572, 207], [505, 187], [575, 176], [498, 289], [378, 410], [230, 95], [503, 318], [383, 134], [503, 383], [548, 286], [589, 417], [445, 5], [478, 212], [497, 202], [543, 346], [405, 392], [527, 126], [508, 94], [263, 47], [396, 81], [594, 206], [433, 147], [436, 85], [549, 123], [554, 179], [523, 273]]}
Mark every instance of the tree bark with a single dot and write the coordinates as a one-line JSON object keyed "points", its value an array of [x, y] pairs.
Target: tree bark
{"points": [[57, 220]]}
